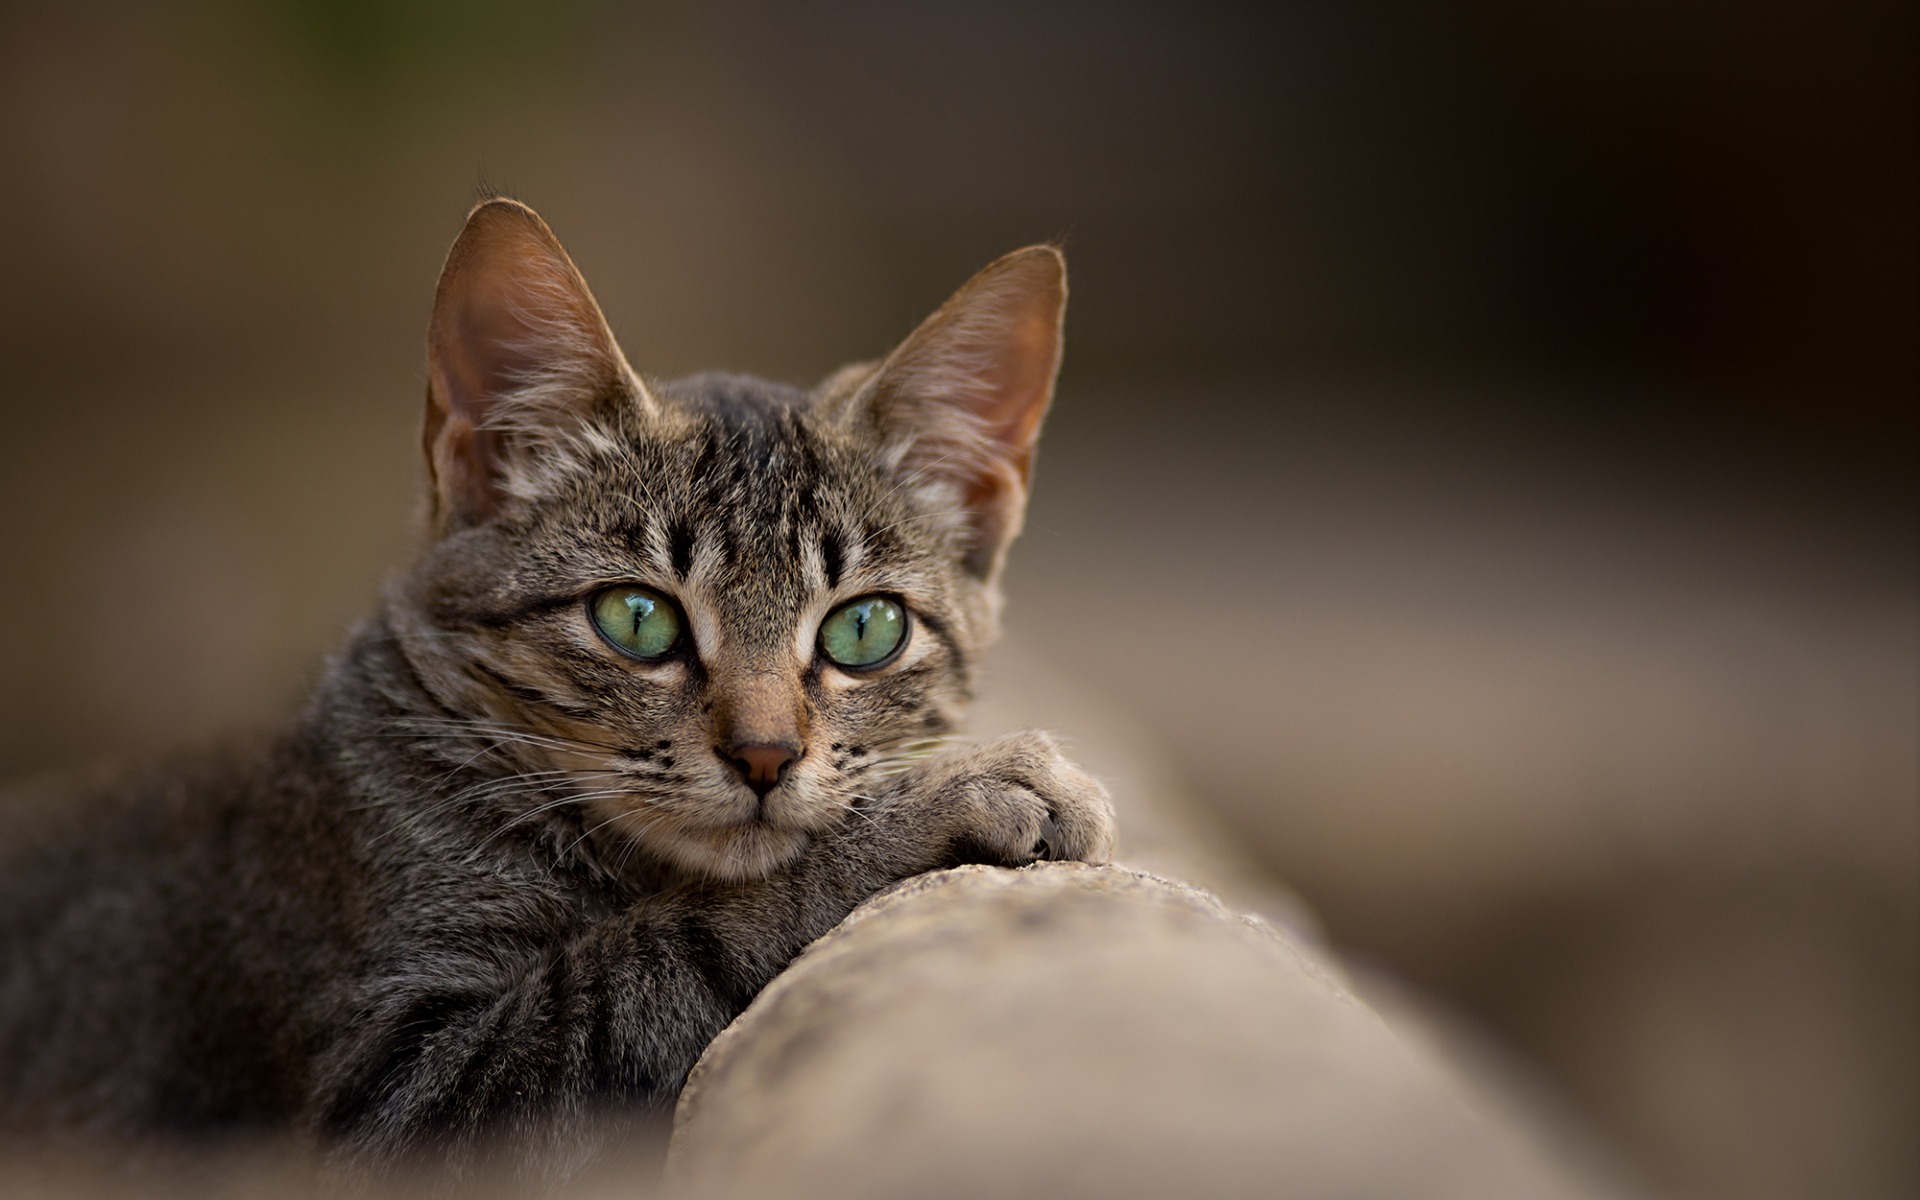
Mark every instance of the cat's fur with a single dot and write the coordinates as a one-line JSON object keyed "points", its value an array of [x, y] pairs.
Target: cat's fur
{"points": [[502, 879]]}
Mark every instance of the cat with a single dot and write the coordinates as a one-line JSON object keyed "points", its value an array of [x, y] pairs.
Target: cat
{"points": [[662, 699]]}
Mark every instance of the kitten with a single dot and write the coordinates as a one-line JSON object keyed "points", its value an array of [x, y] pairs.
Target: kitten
{"points": [[657, 705]]}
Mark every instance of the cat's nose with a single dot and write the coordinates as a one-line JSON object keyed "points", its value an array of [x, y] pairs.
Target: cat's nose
{"points": [[762, 765]]}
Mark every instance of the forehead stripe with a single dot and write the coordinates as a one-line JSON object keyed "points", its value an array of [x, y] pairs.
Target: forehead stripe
{"points": [[831, 556], [680, 548]]}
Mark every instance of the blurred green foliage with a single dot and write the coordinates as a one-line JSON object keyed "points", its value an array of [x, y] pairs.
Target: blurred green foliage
{"points": [[393, 53]]}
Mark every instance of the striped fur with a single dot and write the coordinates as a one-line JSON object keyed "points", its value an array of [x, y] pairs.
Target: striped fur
{"points": [[502, 882]]}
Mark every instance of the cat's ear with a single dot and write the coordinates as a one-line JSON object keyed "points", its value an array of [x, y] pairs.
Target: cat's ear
{"points": [[519, 358], [961, 400]]}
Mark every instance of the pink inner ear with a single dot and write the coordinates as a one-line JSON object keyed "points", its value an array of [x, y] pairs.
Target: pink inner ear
{"points": [[486, 348], [513, 325], [512, 312], [969, 389], [1029, 360], [1005, 327], [461, 460]]}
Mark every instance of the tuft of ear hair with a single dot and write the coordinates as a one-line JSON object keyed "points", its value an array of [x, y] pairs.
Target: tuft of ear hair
{"points": [[518, 356], [960, 402]]}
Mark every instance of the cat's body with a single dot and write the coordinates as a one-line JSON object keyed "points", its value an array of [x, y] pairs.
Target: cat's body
{"points": [[648, 715]]}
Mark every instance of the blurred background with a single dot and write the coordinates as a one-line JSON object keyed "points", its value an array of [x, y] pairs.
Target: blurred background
{"points": [[1511, 405]]}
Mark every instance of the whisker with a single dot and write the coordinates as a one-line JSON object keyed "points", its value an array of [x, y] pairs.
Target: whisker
{"points": [[445, 727], [910, 480], [864, 815], [486, 789], [571, 846], [929, 516]]}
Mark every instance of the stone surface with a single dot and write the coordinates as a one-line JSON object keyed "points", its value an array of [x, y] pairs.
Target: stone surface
{"points": [[1066, 1030]]}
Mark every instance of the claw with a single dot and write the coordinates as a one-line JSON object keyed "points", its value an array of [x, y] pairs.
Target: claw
{"points": [[1049, 838]]}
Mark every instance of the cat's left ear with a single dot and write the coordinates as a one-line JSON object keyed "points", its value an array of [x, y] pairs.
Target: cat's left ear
{"points": [[519, 359], [961, 400]]}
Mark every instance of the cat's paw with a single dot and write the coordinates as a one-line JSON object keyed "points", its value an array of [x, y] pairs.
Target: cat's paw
{"points": [[1014, 800]]}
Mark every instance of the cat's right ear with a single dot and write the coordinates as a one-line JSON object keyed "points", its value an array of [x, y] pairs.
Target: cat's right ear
{"points": [[518, 357], [959, 403]]}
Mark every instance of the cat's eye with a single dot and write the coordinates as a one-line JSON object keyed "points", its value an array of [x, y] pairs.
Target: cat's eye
{"points": [[639, 622], [865, 633]]}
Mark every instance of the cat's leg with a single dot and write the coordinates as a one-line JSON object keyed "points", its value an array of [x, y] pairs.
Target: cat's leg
{"points": [[460, 1045], [453, 1052]]}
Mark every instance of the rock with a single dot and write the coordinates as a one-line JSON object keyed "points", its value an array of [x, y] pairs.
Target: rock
{"points": [[1067, 1030]]}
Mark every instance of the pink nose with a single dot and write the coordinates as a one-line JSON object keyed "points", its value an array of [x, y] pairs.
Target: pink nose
{"points": [[762, 765]]}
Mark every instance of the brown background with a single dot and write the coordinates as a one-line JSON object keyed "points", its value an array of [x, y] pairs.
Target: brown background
{"points": [[1484, 450]]}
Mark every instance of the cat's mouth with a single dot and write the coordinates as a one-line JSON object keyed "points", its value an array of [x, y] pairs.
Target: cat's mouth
{"points": [[737, 852], [723, 830], [789, 807]]}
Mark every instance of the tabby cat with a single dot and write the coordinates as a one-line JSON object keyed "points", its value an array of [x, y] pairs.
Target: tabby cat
{"points": [[659, 703]]}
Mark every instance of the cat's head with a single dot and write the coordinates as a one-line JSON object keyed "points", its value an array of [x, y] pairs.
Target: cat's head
{"points": [[703, 617]]}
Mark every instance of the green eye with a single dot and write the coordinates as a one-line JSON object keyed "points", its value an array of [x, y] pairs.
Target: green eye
{"points": [[864, 633], [642, 623]]}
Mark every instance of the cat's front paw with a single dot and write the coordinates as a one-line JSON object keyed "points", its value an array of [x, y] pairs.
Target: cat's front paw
{"points": [[1015, 800]]}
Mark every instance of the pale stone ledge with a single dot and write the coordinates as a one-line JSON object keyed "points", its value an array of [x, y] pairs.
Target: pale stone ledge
{"points": [[1066, 1030]]}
